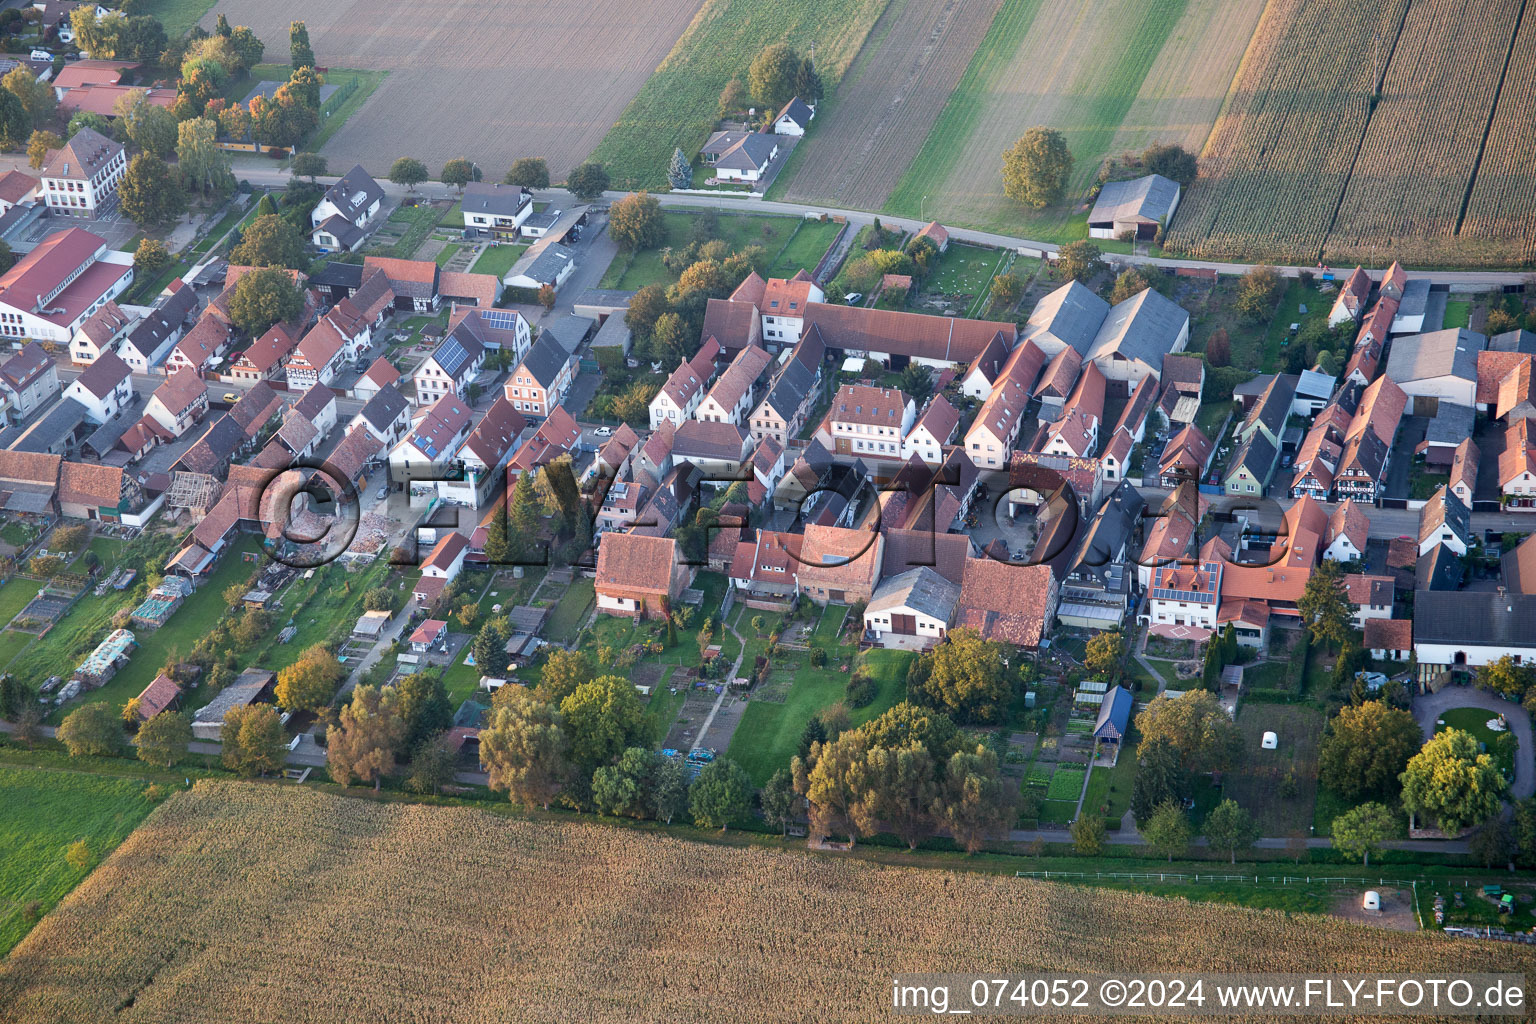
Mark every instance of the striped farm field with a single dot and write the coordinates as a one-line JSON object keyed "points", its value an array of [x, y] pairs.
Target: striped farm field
{"points": [[1421, 148], [1501, 211], [238, 902], [866, 135], [676, 106], [1279, 157], [1032, 69]]}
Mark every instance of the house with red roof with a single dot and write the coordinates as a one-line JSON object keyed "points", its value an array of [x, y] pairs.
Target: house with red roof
{"points": [[486, 452], [934, 429], [639, 575], [441, 566], [263, 359], [682, 392], [162, 694], [55, 288], [179, 403], [431, 445]]}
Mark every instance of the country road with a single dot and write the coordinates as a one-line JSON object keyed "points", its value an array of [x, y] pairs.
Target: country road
{"points": [[1471, 280]]}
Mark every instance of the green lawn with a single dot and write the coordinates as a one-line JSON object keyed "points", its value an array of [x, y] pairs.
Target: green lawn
{"points": [[1087, 119], [498, 259], [639, 269], [232, 217], [454, 218], [1109, 789], [769, 734], [677, 105], [447, 253], [964, 276], [565, 621], [41, 814], [321, 608], [804, 248], [1458, 313], [178, 16], [1066, 784]]}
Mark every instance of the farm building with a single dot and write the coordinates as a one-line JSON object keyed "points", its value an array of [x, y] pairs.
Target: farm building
{"points": [[248, 688], [162, 694], [911, 611], [370, 625], [1140, 206], [109, 656], [1435, 367], [161, 603]]}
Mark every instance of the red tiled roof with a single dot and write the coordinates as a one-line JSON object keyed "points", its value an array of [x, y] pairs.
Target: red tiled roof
{"points": [[84, 483], [1005, 602], [445, 551], [40, 272], [1492, 367], [861, 403], [1350, 520], [181, 390], [630, 563], [940, 419], [17, 185], [1389, 634], [786, 298], [160, 694], [839, 559]]}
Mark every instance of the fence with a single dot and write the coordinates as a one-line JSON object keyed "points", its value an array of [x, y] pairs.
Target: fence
{"points": [[1175, 877]]}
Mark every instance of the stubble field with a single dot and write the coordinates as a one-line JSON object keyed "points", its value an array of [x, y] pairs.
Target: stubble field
{"points": [[1108, 74], [888, 102], [236, 902], [488, 81]]}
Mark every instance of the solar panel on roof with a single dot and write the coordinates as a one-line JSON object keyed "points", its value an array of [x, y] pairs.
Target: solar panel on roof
{"points": [[500, 319]]}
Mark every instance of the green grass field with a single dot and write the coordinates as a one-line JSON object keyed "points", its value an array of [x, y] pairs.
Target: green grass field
{"points": [[1088, 118], [964, 275], [769, 734], [571, 611], [41, 814], [178, 16], [498, 259], [676, 107], [1066, 784], [1474, 721], [447, 253], [804, 248], [776, 234], [1458, 313]]}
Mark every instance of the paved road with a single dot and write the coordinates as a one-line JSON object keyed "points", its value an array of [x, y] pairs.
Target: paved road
{"points": [[1428, 708], [1469, 279]]}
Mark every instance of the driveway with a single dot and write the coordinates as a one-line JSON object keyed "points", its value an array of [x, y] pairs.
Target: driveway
{"points": [[1428, 708]]}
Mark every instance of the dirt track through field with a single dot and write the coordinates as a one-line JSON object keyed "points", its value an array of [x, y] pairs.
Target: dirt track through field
{"points": [[491, 80], [889, 101]]}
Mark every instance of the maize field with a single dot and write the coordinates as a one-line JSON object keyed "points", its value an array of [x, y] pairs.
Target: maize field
{"points": [[238, 902]]}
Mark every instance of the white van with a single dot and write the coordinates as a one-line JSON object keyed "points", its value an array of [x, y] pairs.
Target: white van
{"points": [[42, 55]]}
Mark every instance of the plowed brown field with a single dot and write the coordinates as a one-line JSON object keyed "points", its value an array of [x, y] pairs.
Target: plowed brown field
{"points": [[491, 81], [888, 101]]}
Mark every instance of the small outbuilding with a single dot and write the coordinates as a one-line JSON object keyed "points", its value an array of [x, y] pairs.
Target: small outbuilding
{"points": [[1140, 206], [1114, 716], [1371, 900], [1270, 741]]}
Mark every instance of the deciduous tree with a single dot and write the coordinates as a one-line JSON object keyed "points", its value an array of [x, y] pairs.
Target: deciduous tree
{"points": [[1365, 749], [531, 172], [1160, 777], [299, 50], [253, 740], [270, 241], [91, 729], [1259, 292], [408, 171], [1228, 827], [308, 165], [363, 747], [150, 257], [149, 193], [1360, 831], [264, 297], [1171, 161], [603, 718], [635, 222], [524, 749], [14, 696], [587, 182], [1089, 834], [1036, 167], [1197, 726], [966, 677], [778, 799], [459, 172], [433, 761], [669, 790], [36, 97], [164, 738], [722, 792], [203, 165], [423, 707], [1168, 832], [1105, 656], [39, 145], [309, 683], [771, 77], [1006, 289], [624, 789], [1080, 260], [152, 128], [1451, 784], [974, 801]]}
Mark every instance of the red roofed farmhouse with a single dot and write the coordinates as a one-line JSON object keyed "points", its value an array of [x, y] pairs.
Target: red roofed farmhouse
{"points": [[639, 575]]}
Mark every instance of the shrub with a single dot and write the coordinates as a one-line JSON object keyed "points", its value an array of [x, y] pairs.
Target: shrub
{"points": [[862, 689]]}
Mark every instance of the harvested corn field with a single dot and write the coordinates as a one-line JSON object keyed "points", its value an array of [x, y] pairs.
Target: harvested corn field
{"points": [[888, 102], [236, 902], [1501, 211], [491, 81]]}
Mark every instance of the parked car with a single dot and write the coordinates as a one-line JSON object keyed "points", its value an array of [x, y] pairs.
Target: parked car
{"points": [[853, 297], [382, 493], [41, 55], [603, 431]]}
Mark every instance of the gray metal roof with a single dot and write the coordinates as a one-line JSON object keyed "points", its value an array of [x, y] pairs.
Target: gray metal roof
{"points": [[1415, 298], [55, 427], [1150, 198], [1315, 384], [1448, 353], [1475, 618], [921, 589], [1452, 424], [1513, 341], [568, 331], [1144, 326], [543, 266], [1071, 313]]}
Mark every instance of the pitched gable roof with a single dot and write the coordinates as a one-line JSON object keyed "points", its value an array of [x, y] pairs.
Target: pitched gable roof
{"points": [[1004, 602]]}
